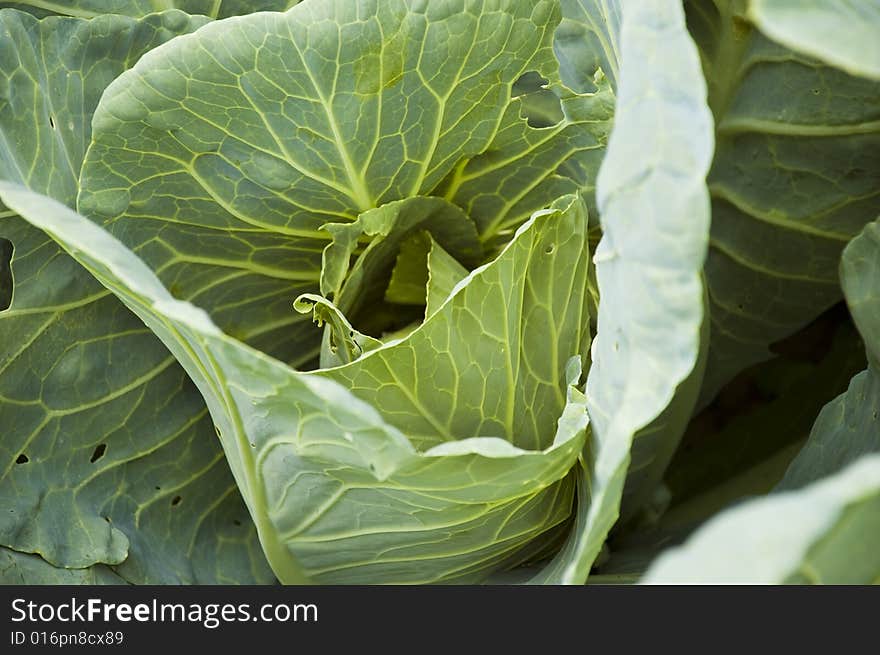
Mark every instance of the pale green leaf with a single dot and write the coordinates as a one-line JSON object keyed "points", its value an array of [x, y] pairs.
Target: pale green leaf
{"points": [[825, 533], [648, 265], [335, 486], [587, 41], [107, 452], [424, 274], [409, 279], [444, 274], [495, 364], [840, 32], [342, 343]]}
